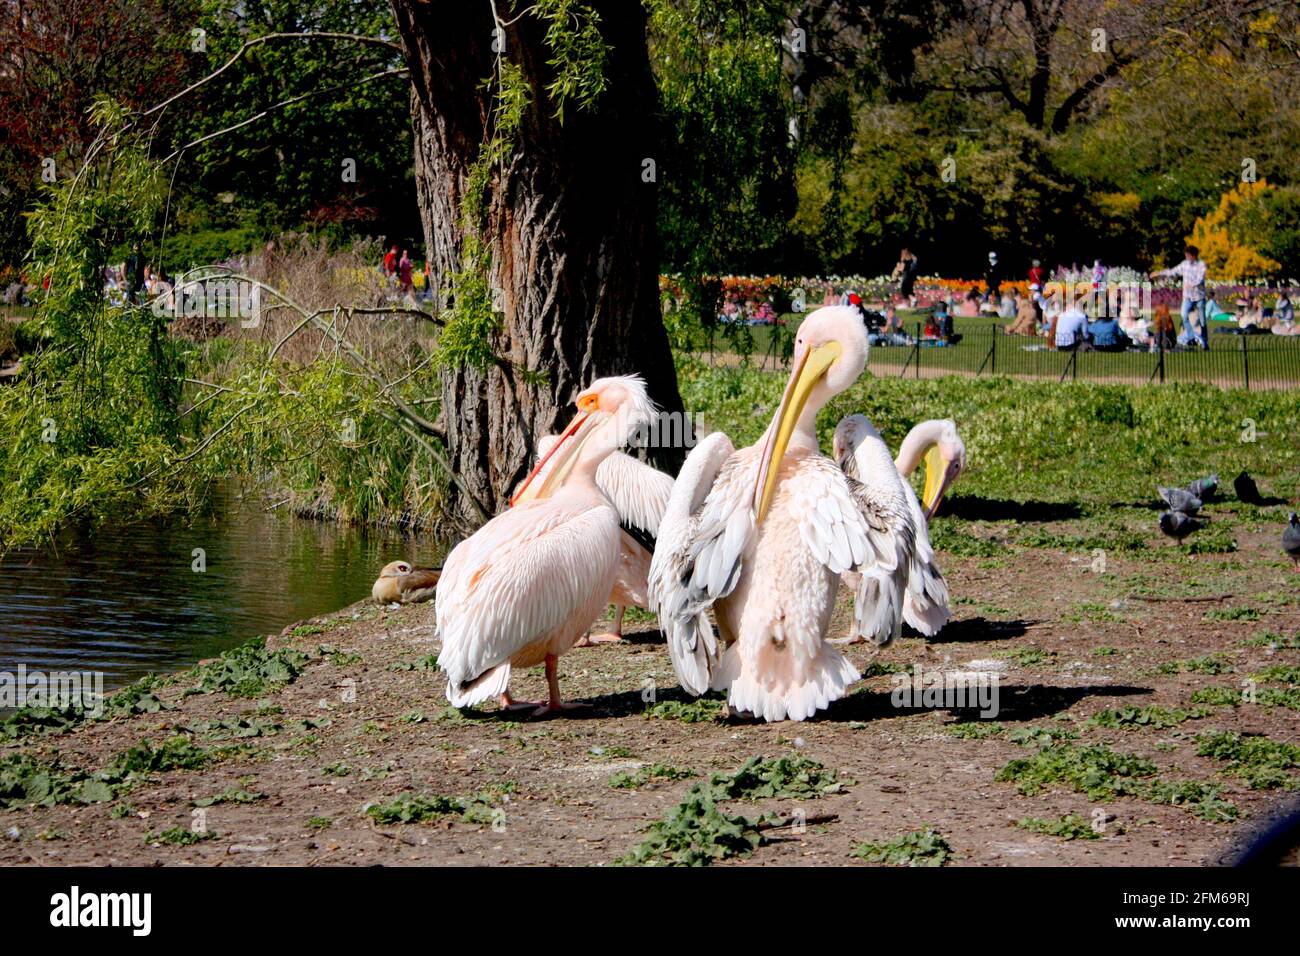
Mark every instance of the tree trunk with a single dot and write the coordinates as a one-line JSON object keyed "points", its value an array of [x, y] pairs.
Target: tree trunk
{"points": [[569, 222]]}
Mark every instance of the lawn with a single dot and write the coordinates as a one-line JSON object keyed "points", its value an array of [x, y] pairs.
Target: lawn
{"points": [[1268, 361]]}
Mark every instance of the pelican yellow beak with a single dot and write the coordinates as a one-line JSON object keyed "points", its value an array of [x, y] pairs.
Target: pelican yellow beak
{"points": [[936, 481], [565, 452], [806, 375]]}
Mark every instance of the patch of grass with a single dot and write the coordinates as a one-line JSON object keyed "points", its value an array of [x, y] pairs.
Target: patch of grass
{"points": [[788, 777], [249, 670], [1203, 799], [137, 698], [1105, 651], [179, 836], [1259, 761], [1097, 771], [1153, 716], [319, 823], [421, 808], [696, 832], [429, 663], [647, 774], [948, 537], [1217, 696], [1231, 614], [1069, 827], [697, 711], [1092, 611], [1279, 642], [1040, 737], [28, 781], [881, 669], [1215, 539], [341, 659], [925, 847], [1288, 674], [1029, 656], [975, 729], [175, 753], [1210, 664], [233, 795]]}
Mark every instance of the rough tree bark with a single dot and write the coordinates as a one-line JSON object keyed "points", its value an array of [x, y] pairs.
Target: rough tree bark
{"points": [[569, 222]]}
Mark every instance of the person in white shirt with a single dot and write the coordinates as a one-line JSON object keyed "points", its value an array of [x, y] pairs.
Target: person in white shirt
{"points": [[1192, 270], [1070, 328]]}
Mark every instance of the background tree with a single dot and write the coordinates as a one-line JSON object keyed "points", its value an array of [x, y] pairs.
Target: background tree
{"points": [[531, 168]]}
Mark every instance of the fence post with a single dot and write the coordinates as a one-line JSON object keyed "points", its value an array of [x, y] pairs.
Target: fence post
{"points": [[1160, 342], [993, 350], [1245, 360]]}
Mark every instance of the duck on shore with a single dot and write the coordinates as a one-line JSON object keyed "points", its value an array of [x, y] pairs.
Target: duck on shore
{"points": [[402, 583]]}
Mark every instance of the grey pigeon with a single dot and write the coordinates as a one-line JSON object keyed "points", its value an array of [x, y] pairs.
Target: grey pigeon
{"points": [[1177, 525], [1247, 490], [1291, 539], [1180, 499], [1205, 488]]}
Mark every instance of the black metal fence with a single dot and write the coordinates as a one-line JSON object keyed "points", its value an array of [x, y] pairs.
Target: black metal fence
{"points": [[1263, 361]]}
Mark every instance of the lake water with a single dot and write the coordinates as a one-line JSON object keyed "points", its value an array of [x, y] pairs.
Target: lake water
{"points": [[125, 599]]}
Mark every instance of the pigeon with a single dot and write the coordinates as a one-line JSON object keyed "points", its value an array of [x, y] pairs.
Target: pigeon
{"points": [[1247, 490], [1177, 525], [1291, 539], [1205, 488], [1180, 499]]}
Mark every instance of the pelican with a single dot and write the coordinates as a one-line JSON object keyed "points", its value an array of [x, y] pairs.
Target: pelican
{"points": [[523, 588], [400, 583], [762, 535], [640, 495], [879, 487], [937, 443]]}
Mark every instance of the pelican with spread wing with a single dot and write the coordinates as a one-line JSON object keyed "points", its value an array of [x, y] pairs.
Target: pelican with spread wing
{"points": [[640, 494], [864, 458], [522, 589], [762, 534]]}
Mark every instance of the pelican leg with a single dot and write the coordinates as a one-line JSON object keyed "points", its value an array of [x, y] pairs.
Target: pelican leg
{"points": [[509, 703], [555, 704], [613, 636]]}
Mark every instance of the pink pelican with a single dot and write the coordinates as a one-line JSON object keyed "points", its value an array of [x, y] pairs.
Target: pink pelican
{"points": [[864, 458], [937, 443], [640, 495], [522, 589], [762, 535]]}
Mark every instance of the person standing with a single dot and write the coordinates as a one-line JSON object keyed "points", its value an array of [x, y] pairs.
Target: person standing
{"points": [[390, 262], [993, 277], [404, 272], [905, 272], [1192, 271]]}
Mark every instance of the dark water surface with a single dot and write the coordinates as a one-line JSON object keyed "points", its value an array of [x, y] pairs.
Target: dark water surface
{"points": [[124, 598]]}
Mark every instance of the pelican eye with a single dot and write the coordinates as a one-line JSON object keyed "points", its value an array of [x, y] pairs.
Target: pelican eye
{"points": [[589, 403]]}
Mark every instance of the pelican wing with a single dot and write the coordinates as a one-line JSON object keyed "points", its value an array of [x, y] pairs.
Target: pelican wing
{"points": [[638, 492], [706, 527], [925, 606], [516, 579], [878, 496]]}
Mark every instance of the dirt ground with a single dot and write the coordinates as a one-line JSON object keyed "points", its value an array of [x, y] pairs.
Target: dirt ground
{"points": [[1066, 640]]}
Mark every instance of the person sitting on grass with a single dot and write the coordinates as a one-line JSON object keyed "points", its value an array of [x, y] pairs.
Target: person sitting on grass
{"points": [[1284, 316], [1106, 336], [932, 332], [1071, 327], [1026, 319], [1162, 328]]}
